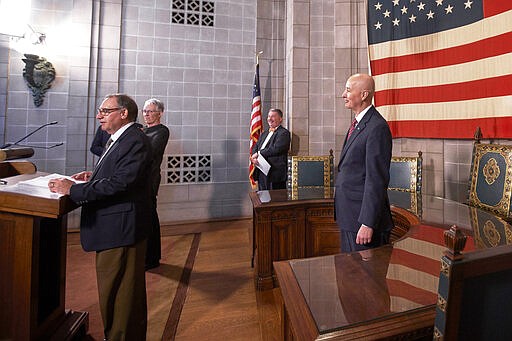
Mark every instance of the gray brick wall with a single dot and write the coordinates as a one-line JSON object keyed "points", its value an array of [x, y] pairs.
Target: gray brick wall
{"points": [[204, 76]]}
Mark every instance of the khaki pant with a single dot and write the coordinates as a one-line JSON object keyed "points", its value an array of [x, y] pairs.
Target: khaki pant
{"points": [[122, 292]]}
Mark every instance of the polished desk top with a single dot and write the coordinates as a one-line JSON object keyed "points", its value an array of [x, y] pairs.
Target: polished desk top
{"points": [[349, 289], [283, 197]]}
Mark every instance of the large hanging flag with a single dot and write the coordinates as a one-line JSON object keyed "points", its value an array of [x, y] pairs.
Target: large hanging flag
{"points": [[442, 67], [256, 122]]}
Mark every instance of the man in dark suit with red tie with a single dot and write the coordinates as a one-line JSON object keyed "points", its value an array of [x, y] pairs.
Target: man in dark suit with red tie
{"points": [[116, 208], [361, 201], [273, 146]]}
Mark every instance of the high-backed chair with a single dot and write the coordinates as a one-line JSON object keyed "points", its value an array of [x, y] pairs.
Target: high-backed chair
{"points": [[405, 181], [310, 176], [474, 291], [490, 182]]}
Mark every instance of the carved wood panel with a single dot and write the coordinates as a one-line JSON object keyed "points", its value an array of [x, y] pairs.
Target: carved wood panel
{"points": [[322, 234], [287, 234]]}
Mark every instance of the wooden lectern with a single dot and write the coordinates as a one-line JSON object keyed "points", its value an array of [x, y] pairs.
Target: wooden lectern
{"points": [[33, 236]]}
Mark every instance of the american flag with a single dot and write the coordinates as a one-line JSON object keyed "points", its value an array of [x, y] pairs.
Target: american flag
{"points": [[256, 122], [442, 67]]}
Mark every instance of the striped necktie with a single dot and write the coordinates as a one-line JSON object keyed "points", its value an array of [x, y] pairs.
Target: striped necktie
{"points": [[109, 142], [352, 127], [107, 145]]}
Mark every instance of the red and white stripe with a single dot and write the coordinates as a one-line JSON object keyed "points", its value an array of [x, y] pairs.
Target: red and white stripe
{"points": [[445, 84], [256, 122]]}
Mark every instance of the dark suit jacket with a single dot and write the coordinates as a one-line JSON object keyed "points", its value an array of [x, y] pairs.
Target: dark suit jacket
{"points": [[158, 136], [116, 200], [275, 152], [363, 176], [100, 140]]}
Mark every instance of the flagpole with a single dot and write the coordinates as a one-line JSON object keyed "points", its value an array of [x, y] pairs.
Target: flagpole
{"points": [[256, 125], [258, 57]]}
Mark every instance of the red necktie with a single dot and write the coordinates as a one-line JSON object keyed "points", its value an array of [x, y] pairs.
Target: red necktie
{"points": [[352, 127]]}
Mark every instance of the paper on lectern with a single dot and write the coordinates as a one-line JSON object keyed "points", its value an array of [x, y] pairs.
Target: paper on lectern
{"points": [[42, 181], [39, 186]]}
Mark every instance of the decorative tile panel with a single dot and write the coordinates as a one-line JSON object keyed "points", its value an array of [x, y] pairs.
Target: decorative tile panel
{"points": [[188, 169], [193, 12]]}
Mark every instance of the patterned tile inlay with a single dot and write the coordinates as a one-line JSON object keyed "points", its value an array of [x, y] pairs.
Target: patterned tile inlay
{"points": [[188, 168], [193, 12]]}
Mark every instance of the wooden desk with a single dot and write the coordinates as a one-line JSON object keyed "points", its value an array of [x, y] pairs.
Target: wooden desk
{"points": [[33, 231], [287, 226], [286, 229], [388, 292]]}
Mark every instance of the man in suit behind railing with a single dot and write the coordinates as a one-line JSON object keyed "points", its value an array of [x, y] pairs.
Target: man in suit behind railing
{"points": [[273, 145], [361, 201]]}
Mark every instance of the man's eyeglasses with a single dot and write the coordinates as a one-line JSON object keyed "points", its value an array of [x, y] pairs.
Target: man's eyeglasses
{"points": [[150, 111], [108, 111]]}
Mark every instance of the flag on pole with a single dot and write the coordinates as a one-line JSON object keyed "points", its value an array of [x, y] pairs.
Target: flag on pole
{"points": [[442, 68], [256, 122]]}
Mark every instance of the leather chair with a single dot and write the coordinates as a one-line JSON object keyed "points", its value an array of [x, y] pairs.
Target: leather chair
{"points": [[310, 176], [490, 182], [405, 181]]}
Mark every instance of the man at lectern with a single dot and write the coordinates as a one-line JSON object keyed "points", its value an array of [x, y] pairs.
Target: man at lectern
{"points": [[116, 204], [361, 199]]}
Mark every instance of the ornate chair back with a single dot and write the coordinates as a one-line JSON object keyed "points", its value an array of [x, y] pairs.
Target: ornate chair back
{"points": [[490, 182], [310, 176], [473, 300], [405, 181]]}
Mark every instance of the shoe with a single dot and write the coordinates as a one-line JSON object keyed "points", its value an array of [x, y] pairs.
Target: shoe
{"points": [[151, 266]]}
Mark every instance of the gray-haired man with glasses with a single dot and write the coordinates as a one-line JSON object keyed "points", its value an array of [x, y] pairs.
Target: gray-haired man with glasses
{"points": [[115, 199], [158, 135]]}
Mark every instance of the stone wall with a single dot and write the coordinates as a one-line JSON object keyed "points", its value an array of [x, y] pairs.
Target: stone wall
{"points": [[200, 62]]}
